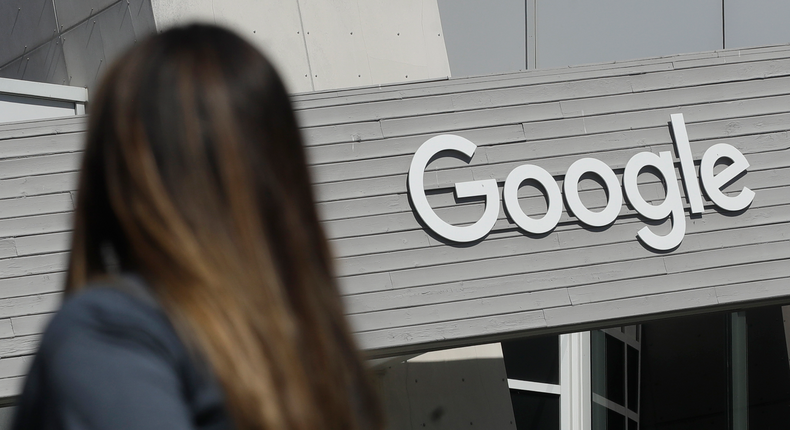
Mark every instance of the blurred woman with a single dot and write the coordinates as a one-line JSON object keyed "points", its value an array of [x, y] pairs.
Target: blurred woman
{"points": [[200, 291]]}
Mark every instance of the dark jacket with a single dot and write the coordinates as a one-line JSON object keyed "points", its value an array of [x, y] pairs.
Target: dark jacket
{"points": [[110, 359]]}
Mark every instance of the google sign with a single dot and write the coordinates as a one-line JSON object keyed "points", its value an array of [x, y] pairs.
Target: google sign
{"points": [[663, 163]]}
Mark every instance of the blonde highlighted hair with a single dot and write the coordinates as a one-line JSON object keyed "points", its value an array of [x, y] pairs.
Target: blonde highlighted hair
{"points": [[194, 175]]}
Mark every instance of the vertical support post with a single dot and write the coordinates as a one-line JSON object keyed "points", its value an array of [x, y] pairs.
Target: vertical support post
{"points": [[575, 393], [786, 320], [531, 24], [739, 372]]}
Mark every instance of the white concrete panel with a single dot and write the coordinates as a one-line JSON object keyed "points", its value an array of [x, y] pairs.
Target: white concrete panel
{"points": [[273, 27], [336, 44], [353, 42], [171, 13], [418, 51]]}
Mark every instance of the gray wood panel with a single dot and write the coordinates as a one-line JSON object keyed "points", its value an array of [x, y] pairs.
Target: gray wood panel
{"points": [[34, 205], [74, 124], [703, 135], [27, 305], [517, 245], [402, 293], [31, 285], [35, 224], [405, 289], [368, 299], [19, 346], [11, 386], [22, 167], [40, 145], [30, 324], [14, 366], [467, 213], [43, 243], [37, 185]]}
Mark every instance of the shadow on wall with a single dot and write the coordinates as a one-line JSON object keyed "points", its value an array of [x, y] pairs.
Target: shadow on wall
{"points": [[434, 391]]}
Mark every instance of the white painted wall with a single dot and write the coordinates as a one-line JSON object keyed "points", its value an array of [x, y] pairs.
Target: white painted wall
{"points": [[328, 44]]}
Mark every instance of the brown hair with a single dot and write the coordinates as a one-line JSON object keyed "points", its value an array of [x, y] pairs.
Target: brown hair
{"points": [[195, 175]]}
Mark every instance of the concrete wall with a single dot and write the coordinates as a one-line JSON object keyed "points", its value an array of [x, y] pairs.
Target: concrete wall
{"points": [[320, 45], [451, 389], [408, 291], [315, 45]]}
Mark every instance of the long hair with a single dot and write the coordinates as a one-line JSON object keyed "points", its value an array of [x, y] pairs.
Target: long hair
{"points": [[195, 176]]}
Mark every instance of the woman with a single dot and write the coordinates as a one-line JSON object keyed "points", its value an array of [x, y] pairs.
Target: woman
{"points": [[200, 289]]}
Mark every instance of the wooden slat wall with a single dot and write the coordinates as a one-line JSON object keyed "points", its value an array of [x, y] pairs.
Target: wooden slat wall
{"points": [[38, 165], [407, 290]]}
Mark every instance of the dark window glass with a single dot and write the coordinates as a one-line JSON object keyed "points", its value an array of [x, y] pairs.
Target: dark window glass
{"points": [[607, 419], [614, 421], [632, 425], [684, 373], [615, 370], [599, 416], [633, 379], [533, 359], [769, 369], [598, 362], [608, 367], [535, 410]]}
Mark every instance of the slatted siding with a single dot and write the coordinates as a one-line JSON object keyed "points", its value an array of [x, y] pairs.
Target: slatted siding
{"points": [[408, 290], [38, 164]]}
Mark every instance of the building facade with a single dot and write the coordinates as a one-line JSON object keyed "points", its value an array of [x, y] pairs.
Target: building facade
{"points": [[536, 242]]}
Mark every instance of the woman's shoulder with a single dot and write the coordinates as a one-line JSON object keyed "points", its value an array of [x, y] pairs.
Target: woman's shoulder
{"points": [[113, 311], [110, 356]]}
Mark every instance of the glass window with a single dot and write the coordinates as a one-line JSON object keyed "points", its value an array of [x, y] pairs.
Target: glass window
{"points": [[533, 359], [615, 370], [534, 410], [768, 368], [633, 379], [684, 373]]}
